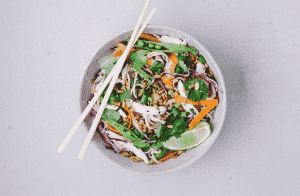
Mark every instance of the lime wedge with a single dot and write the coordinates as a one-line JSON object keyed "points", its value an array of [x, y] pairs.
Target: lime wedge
{"points": [[190, 138]]}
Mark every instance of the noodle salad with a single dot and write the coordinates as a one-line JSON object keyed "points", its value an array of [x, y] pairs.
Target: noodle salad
{"points": [[156, 97]]}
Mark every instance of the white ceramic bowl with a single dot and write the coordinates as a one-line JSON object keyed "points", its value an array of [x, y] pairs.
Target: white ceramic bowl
{"points": [[170, 165]]}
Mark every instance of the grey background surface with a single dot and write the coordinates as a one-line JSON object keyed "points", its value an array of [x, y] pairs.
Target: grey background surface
{"points": [[45, 45]]}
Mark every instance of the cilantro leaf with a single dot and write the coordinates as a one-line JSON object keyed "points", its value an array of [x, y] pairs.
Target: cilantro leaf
{"points": [[157, 145], [159, 130], [157, 67], [125, 95], [199, 94], [180, 125], [161, 154], [111, 114]]}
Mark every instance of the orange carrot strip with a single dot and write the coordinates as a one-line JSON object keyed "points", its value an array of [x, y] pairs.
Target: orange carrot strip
{"points": [[94, 90], [120, 49], [171, 155], [180, 99], [149, 37], [149, 62], [174, 60], [166, 80], [129, 115], [210, 105]]}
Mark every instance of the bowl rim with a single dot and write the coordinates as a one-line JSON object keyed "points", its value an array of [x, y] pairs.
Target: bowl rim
{"points": [[221, 80]]}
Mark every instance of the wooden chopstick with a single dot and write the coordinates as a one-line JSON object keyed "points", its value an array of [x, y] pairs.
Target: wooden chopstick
{"points": [[118, 67], [72, 132]]}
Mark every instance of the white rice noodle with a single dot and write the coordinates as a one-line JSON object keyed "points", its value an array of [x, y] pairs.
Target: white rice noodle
{"points": [[130, 147], [147, 120], [179, 78], [209, 115], [158, 56], [151, 152], [214, 90], [128, 79], [171, 101], [133, 88], [98, 82], [213, 94], [156, 119], [143, 109], [125, 76], [96, 105], [112, 107], [113, 135], [172, 39]]}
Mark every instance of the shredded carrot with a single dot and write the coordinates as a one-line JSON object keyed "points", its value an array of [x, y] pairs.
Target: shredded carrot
{"points": [[170, 155], [129, 115], [166, 80], [94, 90], [210, 105], [120, 49], [117, 103], [180, 99], [149, 62], [149, 37], [174, 60]]}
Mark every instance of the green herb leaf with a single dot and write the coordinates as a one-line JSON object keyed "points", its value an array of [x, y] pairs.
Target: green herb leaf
{"points": [[113, 97], [139, 60], [176, 48], [139, 55], [157, 67], [165, 134], [157, 145], [202, 59], [183, 66], [125, 95], [183, 114], [181, 58], [127, 133], [159, 130], [180, 126], [200, 94], [175, 112], [151, 161], [141, 144], [111, 114], [161, 154], [107, 62]]}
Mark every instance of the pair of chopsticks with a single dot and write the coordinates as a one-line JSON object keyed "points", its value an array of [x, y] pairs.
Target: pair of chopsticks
{"points": [[111, 78]]}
